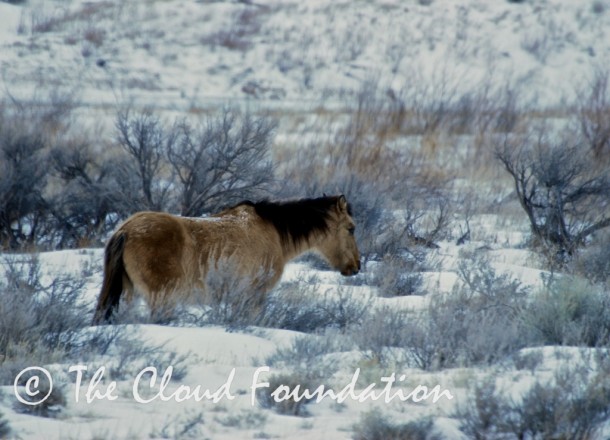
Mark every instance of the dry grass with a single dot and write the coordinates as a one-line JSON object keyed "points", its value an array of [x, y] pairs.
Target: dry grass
{"points": [[40, 19]]}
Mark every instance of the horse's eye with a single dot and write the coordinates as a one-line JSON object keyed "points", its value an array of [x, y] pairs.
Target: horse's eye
{"points": [[351, 230]]}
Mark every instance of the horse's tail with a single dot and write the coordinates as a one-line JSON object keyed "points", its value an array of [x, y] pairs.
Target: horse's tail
{"points": [[112, 286]]}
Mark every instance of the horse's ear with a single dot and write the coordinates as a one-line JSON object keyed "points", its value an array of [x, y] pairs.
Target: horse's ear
{"points": [[342, 203]]}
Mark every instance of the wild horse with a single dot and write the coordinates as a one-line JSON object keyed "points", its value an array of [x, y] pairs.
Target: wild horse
{"points": [[167, 258]]}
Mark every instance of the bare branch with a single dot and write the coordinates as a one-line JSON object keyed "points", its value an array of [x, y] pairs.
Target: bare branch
{"points": [[559, 187], [222, 161]]}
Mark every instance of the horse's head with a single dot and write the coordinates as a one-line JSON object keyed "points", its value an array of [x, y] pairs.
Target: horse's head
{"points": [[339, 245]]}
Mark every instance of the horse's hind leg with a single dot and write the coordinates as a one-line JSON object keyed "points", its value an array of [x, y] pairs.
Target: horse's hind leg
{"points": [[156, 299], [156, 272], [128, 293], [163, 304]]}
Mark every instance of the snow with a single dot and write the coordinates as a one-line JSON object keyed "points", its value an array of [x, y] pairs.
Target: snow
{"points": [[212, 354], [9, 23], [294, 54], [213, 344]]}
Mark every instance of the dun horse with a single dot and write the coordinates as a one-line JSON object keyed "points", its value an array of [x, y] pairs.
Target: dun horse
{"points": [[162, 256]]}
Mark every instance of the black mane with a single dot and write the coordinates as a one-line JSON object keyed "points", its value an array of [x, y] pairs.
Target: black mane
{"points": [[296, 220]]}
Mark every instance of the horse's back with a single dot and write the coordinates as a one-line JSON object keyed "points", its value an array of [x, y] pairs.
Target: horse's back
{"points": [[242, 240], [155, 232]]}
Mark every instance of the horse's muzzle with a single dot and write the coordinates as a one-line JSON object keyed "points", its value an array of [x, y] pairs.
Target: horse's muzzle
{"points": [[351, 270]]}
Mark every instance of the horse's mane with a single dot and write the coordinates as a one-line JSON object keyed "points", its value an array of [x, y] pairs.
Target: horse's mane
{"points": [[296, 220]]}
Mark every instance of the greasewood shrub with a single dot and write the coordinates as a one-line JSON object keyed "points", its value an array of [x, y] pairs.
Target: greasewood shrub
{"points": [[570, 311], [573, 404], [45, 316], [373, 425]]}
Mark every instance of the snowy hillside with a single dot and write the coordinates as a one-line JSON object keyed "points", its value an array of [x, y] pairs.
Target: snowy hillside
{"points": [[402, 105], [195, 53]]}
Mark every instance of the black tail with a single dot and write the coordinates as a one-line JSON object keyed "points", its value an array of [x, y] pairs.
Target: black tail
{"points": [[112, 286]]}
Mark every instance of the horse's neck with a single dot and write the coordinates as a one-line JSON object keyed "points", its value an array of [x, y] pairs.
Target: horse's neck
{"points": [[296, 249]]}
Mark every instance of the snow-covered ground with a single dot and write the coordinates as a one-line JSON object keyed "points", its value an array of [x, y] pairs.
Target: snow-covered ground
{"points": [[212, 356], [184, 56]]}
